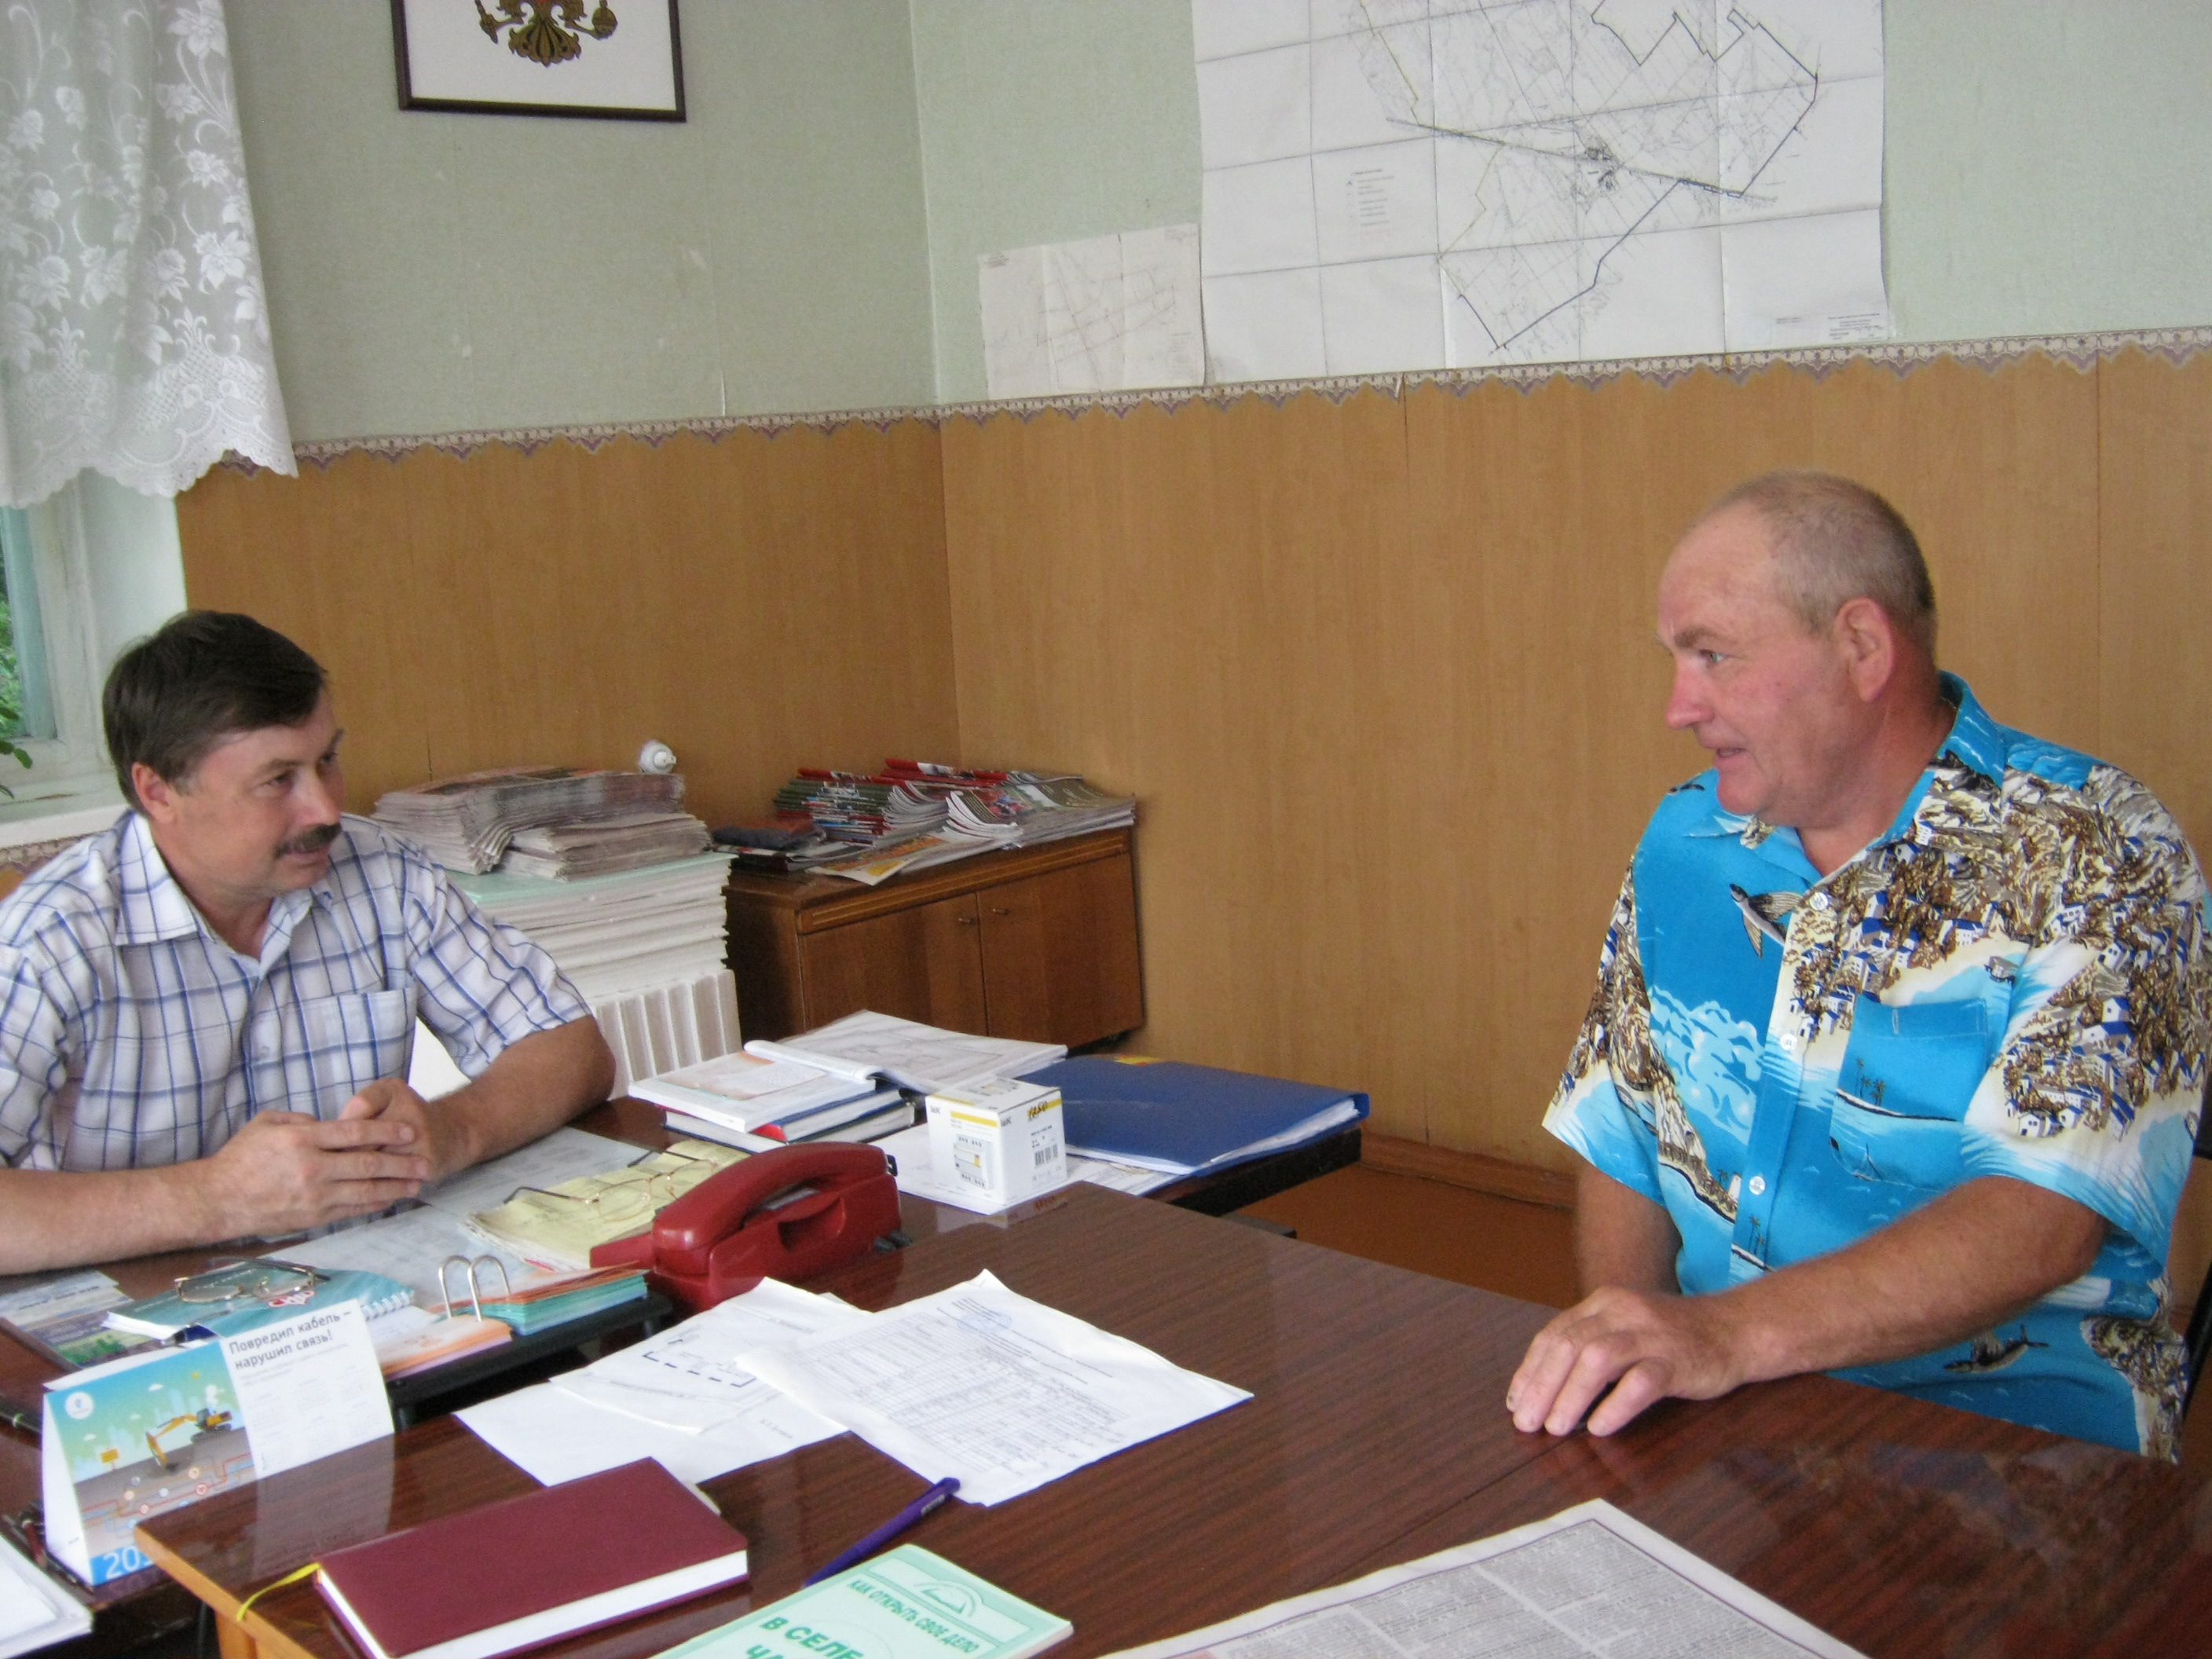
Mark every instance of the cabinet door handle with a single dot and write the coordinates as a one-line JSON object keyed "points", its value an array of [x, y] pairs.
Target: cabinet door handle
{"points": [[966, 921], [1000, 910]]}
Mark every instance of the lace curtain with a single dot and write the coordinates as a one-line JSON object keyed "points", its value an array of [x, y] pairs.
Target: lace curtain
{"points": [[134, 336]]}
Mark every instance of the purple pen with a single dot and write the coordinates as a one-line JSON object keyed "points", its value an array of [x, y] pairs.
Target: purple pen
{"points": [[884, 1535]]}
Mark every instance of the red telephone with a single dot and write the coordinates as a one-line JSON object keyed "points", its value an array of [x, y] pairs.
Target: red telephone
{"points": [[784, 1214]]}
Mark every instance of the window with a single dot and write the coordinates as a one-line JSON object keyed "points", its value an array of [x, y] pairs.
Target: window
{"points": [[81, 575], [26, 708]]}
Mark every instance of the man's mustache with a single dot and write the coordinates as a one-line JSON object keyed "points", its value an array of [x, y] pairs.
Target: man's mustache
{"points": [[312, 841]]}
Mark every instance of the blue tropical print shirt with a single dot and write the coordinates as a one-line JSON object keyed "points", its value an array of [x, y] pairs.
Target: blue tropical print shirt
{"points": [[2013, 981]]}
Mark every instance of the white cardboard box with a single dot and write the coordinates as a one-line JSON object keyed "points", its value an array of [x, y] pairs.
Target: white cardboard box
{"points": [[1004, 1139]]}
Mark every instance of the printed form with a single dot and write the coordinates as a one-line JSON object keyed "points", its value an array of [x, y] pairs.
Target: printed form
{"points": [[979, 1382]]}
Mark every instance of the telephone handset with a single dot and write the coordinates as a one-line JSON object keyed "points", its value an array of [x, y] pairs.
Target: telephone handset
{"points": [[784, 1214]]}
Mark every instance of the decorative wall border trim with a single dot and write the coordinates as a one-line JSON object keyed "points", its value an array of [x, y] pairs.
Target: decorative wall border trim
{"points": [[2078, 351]]}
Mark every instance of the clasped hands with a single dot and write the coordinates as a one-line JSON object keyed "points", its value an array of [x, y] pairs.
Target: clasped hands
{"points": [[286, 1171], [1641, 1346]]}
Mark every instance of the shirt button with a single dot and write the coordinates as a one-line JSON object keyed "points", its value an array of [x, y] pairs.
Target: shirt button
{"points": [[1758, 1185], [1819, 901]]}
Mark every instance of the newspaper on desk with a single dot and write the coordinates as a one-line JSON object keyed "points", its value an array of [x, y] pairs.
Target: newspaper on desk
{"points": [[1588, 1581]]}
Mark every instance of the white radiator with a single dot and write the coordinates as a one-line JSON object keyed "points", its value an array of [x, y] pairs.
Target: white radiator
{"points": [[669, 1025], [650, 1031]]}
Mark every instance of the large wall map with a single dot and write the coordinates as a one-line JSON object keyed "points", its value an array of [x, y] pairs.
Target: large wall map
{"points": [[1427, 184]]}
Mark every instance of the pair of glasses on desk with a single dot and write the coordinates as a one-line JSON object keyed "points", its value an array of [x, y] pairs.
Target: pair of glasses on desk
{"points": [[636, 1198], [257, 1279]]}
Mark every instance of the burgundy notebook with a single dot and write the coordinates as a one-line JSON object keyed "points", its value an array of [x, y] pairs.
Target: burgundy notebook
{"points": [[531, 1569]]}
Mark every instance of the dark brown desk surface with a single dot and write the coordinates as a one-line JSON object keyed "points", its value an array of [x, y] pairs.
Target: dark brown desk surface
{"points": [[1377, 1434], [150, 1599]]}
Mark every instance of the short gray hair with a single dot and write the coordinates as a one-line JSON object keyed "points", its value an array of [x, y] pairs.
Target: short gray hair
{"points": [[1835, 541]]}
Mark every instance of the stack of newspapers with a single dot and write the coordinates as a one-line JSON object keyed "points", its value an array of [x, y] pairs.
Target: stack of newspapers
{"points": [[563, 851], [468, 823], [916, 813]]}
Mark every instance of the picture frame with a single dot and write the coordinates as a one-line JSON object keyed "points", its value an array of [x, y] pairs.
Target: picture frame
{"points": [[608, 60]]}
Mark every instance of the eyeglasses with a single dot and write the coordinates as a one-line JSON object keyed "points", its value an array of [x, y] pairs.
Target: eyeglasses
{"points": [[618, 1201], [245, 1281]]}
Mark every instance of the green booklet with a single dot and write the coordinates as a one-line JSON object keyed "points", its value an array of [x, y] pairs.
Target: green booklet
{"points": [[904, 1604]]}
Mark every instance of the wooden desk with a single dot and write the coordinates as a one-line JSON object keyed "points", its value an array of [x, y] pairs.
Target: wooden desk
{"points": [[148, 1602], [1377, 1434]]}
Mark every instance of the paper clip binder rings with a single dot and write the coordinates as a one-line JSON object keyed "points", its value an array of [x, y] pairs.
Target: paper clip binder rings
{"points": [[468, 1267]]}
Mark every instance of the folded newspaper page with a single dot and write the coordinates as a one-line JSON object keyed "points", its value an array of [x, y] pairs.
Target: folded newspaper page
{"points": [[1590, 1580]]}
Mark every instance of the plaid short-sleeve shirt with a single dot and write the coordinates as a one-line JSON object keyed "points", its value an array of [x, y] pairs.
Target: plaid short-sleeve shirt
{"points": [[132, 1035], [2012, 980]]}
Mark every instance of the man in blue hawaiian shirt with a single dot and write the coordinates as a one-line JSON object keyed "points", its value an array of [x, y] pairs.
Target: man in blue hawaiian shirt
{"points": [[1900, 1036]]}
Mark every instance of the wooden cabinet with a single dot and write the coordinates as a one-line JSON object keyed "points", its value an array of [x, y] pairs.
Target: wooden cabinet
{"points": [[1040, 942]]}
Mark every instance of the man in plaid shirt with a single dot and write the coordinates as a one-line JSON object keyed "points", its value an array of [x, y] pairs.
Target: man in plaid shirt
{"points": [[206, 1011]]}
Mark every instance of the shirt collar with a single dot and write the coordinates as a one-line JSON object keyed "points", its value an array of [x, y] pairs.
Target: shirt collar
{"points": [[1976, 742], [153, 907]]}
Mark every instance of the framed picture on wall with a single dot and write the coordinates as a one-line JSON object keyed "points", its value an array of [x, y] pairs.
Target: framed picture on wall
{"points": [[620, 60]]}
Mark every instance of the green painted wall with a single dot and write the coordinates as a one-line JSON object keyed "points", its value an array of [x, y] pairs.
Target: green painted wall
{"points": [[809, 239], [2050, 165], [1044, 121], [434, 273], [2050, 162]]}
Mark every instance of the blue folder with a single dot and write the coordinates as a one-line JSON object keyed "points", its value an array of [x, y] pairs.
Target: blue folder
{"points": [[1168, 1115]]}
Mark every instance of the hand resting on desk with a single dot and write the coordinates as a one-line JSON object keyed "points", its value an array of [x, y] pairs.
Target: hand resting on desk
{"points": [[1958, 1264]]}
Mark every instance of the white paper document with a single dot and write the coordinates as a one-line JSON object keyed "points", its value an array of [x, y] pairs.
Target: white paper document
{"points": [[1393, 186], [979, 1382], [307, 1388], [546, 1162], [679, 1397], [1588, 1581], [34, 1611], [687, 1378], [411, 1247], [1104, 314]]}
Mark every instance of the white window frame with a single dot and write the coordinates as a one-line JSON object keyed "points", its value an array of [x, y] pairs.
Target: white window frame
{"points": [[60, 569], [107, 569]]}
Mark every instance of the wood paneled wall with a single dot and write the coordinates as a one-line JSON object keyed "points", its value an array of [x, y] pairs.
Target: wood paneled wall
{"points": [[759, 603], [1382, 672]]}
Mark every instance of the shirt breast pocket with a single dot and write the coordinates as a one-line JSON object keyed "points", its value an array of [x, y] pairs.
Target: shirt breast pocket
{"points": [[1908, 1074], [347, 1042]]}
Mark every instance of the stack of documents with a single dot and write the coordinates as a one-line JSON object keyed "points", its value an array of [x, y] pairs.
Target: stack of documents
{"points": [[632, 840], [64, 1316], [917, 813], [744, 1101], [615, 934], [903, 1052], [1186, 1120], [465, 823], [1028, 809], [559, 1226], [974, 1382], [442, 1252], [842, 1082]]}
